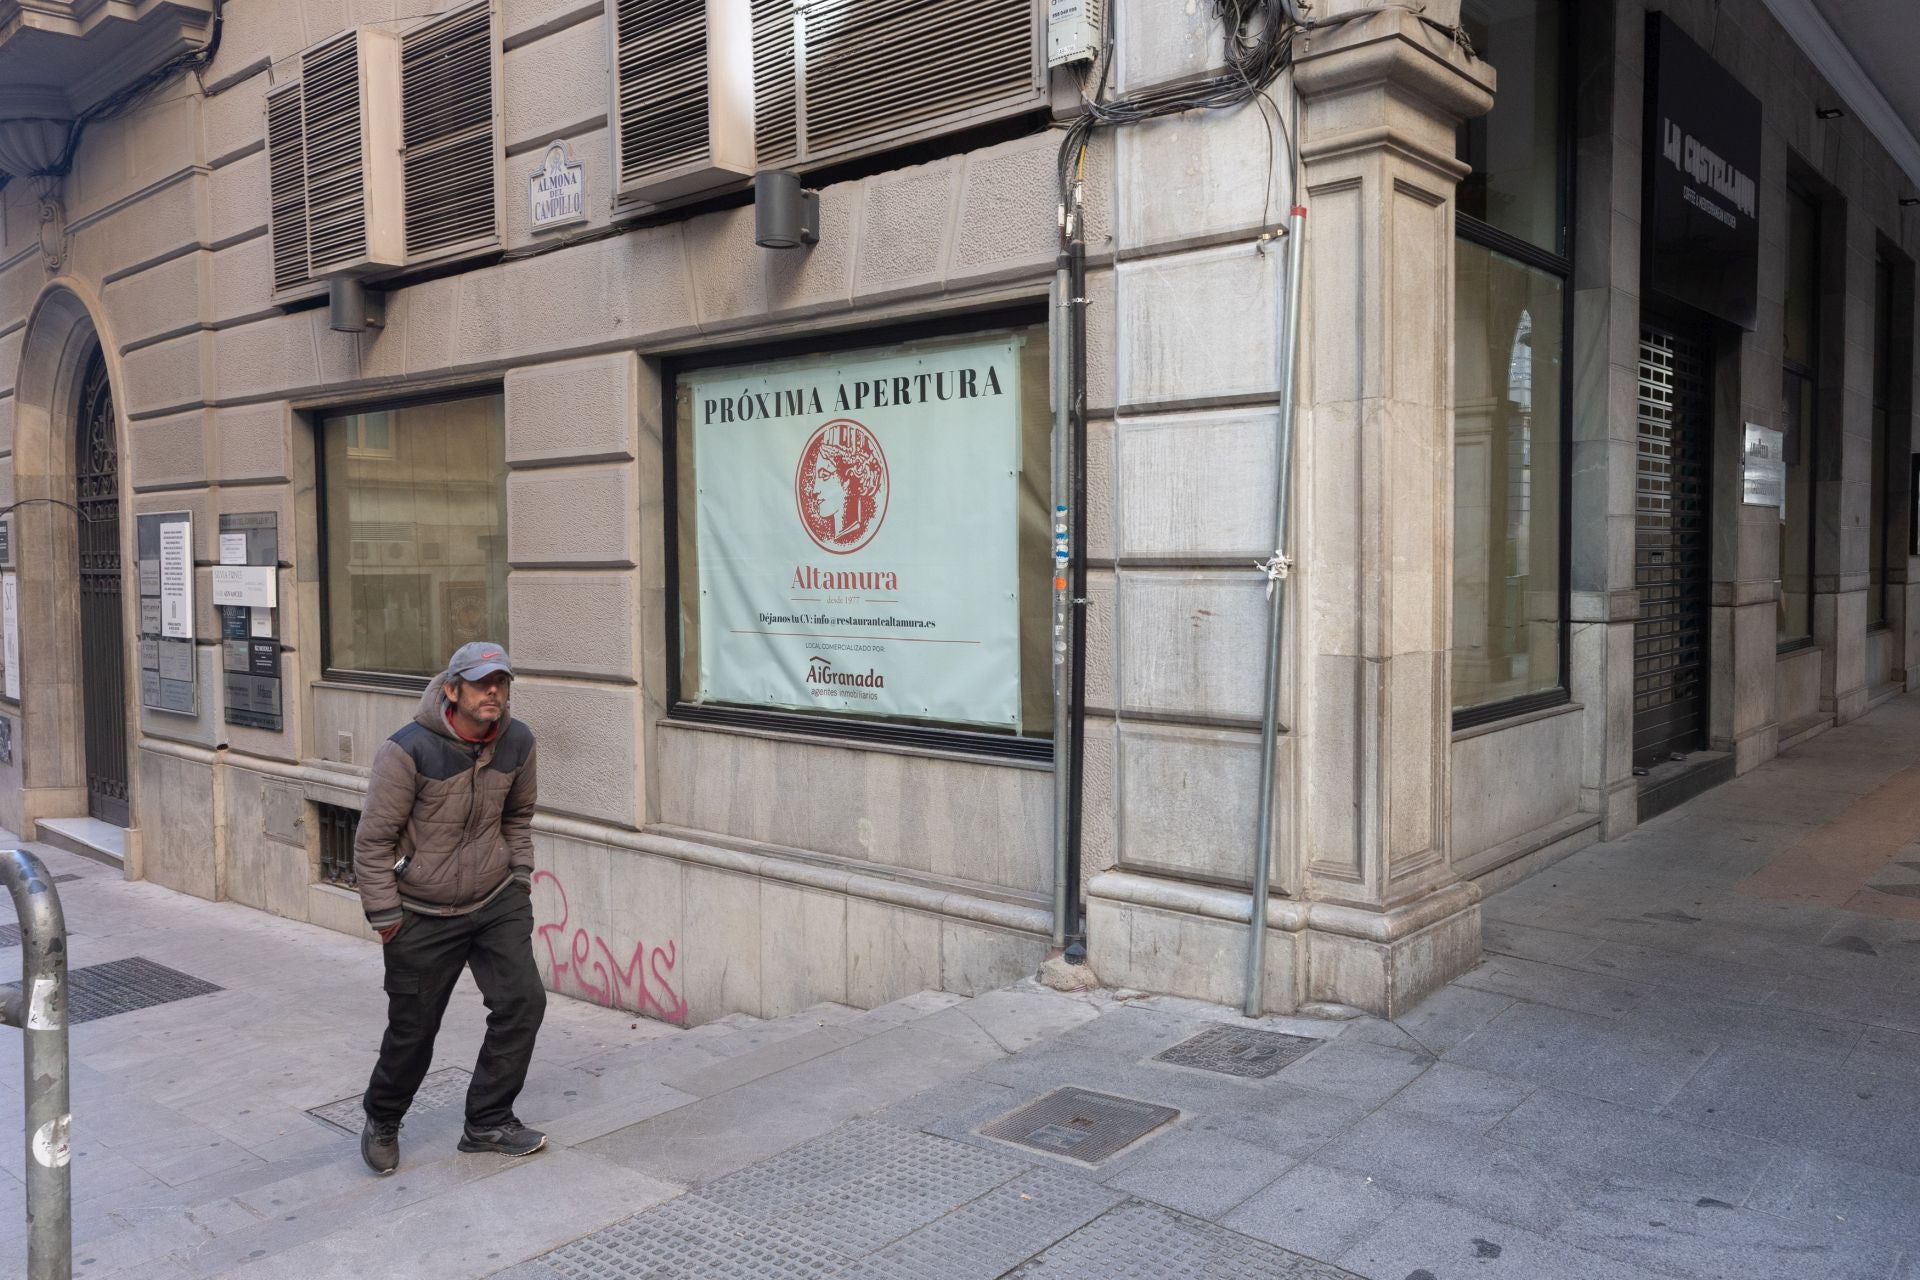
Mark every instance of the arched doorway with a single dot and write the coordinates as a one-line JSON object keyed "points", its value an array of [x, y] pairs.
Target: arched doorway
{"points": [[103, 664]]}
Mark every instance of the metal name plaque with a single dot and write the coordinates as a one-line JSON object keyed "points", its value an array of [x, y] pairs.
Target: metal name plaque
{"points": [[1765, 471], [557, 190]]}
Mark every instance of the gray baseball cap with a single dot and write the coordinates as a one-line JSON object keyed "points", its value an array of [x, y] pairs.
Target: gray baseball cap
{"points": [[478, 660]]}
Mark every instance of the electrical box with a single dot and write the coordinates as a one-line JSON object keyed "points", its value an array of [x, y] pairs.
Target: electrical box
{"points": [[1073, 30]]}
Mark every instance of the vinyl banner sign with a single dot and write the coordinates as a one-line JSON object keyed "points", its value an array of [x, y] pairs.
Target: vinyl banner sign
{"points": [[1701, 233], [856, 518]]}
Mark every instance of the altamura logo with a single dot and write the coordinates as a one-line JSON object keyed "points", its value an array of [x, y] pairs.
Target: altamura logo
{"points": [[841, 486], [821, 672]]}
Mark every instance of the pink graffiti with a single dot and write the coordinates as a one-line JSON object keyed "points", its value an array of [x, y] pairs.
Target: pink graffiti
{"points": [[590, 970]]}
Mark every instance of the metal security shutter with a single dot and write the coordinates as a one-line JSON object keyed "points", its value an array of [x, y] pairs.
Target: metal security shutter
{"points": [[287, 188], [336, 192], [661, 60], [446, 93], [864, 74]]}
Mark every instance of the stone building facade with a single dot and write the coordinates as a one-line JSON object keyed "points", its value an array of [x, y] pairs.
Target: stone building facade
{"points": [[1479, 629]]}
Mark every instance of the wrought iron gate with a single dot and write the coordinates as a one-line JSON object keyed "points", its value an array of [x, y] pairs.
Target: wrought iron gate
{"points": [[1671, 547], [103, 690]]}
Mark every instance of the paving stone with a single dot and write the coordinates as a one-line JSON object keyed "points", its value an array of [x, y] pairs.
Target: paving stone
{"points": [[1551, 946], [1633, 1148], [1724, 979], [1412, 1158], [1553, 985], [690, 1239], [1004, 1227], [1877, 1204], [1366, 1073], [548, 1198], [1706, 1236], [1013, 1019], [1467, 1098], [1314, 1210], [1153, 1243], [1670, 1012], [1813, 1106], [1424, 1239], [1885, 1051], [1580, 1053], [1199, 1172], [763, 1061], [1444, 1020], [862, 1187]]}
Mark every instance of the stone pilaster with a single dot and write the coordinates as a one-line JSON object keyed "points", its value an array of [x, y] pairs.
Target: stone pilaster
{"points": [[1389, 920]]}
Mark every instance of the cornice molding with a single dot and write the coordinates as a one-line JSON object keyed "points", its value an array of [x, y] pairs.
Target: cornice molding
{"points": [[1817, 39]]}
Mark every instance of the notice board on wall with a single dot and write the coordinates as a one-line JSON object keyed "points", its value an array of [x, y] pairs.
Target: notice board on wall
{"points": [[245, 593], [169, 673]]}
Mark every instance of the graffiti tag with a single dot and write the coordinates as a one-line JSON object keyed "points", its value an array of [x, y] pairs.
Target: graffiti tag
{"points": [[586, 968]]}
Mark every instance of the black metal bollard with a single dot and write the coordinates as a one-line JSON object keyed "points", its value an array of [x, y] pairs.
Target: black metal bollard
{"points": [[39, 1009]]}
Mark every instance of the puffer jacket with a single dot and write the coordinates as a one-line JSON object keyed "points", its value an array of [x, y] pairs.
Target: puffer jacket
{"points": [[458, 814]]}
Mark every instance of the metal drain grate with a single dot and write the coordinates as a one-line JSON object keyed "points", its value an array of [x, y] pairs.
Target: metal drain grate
{"points": [[1239, 1051], [122, 986], [441, 1088], [1079, 1123]]}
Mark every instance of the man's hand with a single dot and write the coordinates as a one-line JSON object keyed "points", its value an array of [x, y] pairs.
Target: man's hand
{"points": [[386, 934]]}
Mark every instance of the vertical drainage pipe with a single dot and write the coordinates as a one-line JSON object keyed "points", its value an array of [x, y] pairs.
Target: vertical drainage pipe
{"points": [[1276, 570], [1061, 552]]}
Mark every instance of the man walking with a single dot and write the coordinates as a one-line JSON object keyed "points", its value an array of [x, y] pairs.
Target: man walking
{"points": [[444, 860]]}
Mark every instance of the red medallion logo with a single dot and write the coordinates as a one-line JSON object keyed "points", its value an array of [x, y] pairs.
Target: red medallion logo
{"points": [[841, 486]]}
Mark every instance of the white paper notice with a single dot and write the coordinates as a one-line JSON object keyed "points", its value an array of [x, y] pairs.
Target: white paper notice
{"points": [[233, 548], [10, 629], [176, 580], [262, 624]]}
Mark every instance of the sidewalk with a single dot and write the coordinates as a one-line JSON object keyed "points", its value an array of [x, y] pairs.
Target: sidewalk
{"points": [[1694, 1052]]}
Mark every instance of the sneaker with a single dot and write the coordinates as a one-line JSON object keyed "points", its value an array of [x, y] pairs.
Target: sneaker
{"points": [[380, 1145], [509, 1139]]}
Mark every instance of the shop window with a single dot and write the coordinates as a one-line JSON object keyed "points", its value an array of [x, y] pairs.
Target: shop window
{"points": [[413, 503], [861, 540], [1800, 418], [1511, 414], [1507, 464]]}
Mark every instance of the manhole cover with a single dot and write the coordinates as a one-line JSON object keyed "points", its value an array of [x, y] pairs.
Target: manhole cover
{"points": [[440, 1088], [121, 986], [1079, 1123], [1239, 1051]]}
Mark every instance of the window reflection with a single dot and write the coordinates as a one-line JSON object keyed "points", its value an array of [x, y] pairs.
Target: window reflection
{"points": [[1507, 467]]}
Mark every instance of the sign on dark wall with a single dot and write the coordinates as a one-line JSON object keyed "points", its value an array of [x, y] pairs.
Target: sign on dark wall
{"points": [[1701, 236]]}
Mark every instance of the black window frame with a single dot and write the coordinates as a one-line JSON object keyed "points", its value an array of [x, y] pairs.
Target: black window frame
{"points": [[1486, 236], [316, 416], [832, 725], [1809, 374]]}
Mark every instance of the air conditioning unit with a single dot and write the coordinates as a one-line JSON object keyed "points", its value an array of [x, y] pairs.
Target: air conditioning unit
{"points": [[839, 79], [337, 204], [683, 96]]}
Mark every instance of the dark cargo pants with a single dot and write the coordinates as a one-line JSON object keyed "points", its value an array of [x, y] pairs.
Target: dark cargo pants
{"points": [[424, 961]]}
